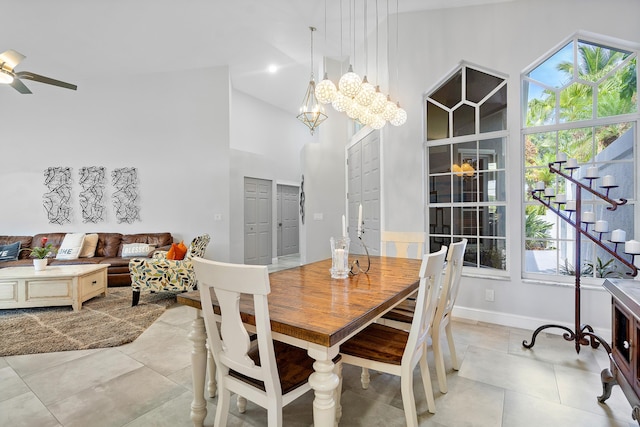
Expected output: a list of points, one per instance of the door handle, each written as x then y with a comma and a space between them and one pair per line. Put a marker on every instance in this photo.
279, 224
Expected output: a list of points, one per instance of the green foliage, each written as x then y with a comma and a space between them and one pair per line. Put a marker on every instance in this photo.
536, 228
602, 269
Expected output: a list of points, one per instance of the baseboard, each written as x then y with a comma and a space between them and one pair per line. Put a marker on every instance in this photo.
516, 321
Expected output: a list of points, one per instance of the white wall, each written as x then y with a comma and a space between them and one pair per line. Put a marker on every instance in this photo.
177, 138
505, 37
265, 143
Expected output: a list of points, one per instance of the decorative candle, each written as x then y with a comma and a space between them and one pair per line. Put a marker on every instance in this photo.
618, 236
602, 226
540, 185
561, 157
549, 192
561, 198
570, 206
608, 181
360, 220
632, 247
588, 217
344, 227
592, 172
571, 164
340, 259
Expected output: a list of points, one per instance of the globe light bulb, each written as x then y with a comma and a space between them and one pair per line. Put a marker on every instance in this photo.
379, 102
350, 83
366, 94
378, 122
326, 90
390, 110
354, 110
341, 102
400, 117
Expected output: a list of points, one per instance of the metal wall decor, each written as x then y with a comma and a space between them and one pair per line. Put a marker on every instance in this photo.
125, 196
92, 203
302, 199
57, 200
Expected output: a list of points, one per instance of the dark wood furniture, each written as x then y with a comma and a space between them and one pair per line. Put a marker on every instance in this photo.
311, 310
625, 346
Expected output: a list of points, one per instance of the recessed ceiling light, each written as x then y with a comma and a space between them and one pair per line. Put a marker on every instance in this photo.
272, 68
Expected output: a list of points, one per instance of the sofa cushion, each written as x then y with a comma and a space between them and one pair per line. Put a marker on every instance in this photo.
136, 249
158, 240
89, 246
25, 242
9, 252
108, 245
177, 251
71, 246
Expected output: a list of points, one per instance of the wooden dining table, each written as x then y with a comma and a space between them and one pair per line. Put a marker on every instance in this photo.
311, 310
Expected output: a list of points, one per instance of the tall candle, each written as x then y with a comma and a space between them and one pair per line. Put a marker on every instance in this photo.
632, 247
344, 226
561, 198
602, 226
571, 164
540, 185
608, 181
618, 236
561, 157
340, 264
570, 206
589, 217
549, 192
360, 220
592, 172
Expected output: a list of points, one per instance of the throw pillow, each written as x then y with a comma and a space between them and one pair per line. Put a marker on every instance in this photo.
71, 246
9, 252
89, 246
136, 249
177, 251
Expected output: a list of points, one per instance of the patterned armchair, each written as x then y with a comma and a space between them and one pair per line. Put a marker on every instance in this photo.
161, 274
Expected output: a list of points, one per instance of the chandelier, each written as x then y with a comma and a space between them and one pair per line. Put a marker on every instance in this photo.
311, 112
359, 99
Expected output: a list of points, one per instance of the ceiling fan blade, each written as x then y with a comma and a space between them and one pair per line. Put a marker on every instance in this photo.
19, 86
11, 58
42, 79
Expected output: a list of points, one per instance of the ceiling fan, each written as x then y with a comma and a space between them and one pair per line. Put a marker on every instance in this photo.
9, 60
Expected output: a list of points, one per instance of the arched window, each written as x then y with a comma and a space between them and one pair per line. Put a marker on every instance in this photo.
580, 100
466, 134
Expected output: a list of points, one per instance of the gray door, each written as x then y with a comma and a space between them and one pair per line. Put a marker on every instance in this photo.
288, 233
257, 221
364, 187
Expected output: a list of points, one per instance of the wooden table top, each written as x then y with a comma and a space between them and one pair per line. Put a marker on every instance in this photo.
306, 303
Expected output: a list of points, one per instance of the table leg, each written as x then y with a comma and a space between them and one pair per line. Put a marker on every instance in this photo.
198, 369
324, 382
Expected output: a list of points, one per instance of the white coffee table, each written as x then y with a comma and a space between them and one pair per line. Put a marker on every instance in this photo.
22, 287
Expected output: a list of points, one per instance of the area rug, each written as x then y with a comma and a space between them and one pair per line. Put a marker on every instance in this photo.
103, 322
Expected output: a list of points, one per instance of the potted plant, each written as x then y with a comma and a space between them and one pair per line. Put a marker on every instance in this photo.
41, 253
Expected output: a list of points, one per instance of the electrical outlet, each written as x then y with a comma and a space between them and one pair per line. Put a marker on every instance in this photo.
489, 295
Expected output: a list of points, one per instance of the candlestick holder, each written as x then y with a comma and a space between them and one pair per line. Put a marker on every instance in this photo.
355, 265
583, 334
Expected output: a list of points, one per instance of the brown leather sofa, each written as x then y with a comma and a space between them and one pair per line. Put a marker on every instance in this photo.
108, 251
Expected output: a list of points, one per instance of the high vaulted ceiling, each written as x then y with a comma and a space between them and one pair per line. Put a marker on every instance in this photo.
78, 40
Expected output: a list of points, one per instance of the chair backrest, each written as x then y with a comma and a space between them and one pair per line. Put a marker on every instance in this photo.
452, 276
426, 301
230, 344
198, 246
402, 241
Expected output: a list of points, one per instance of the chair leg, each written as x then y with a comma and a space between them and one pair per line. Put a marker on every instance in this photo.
426, 382
135, 298
365, 379
439, 359
222, 407
408, 400
242, 404
452, 347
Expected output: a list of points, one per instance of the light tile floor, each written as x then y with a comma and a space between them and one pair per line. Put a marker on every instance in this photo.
148, 383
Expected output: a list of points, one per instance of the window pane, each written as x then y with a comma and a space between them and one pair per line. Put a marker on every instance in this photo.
547, 72
493, 253
493, 112
576, 103
437, 122
440, 189
541, 105
615, 95
471, 253
594, 60
465, 221
450, 93
464, 120
436, 243
480, 84
577, 143
440, 221
439, 159
492, 153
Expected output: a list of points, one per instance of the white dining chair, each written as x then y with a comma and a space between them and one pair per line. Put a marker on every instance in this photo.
396, 352
402, 315
402, 243
271, 374
442, 319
